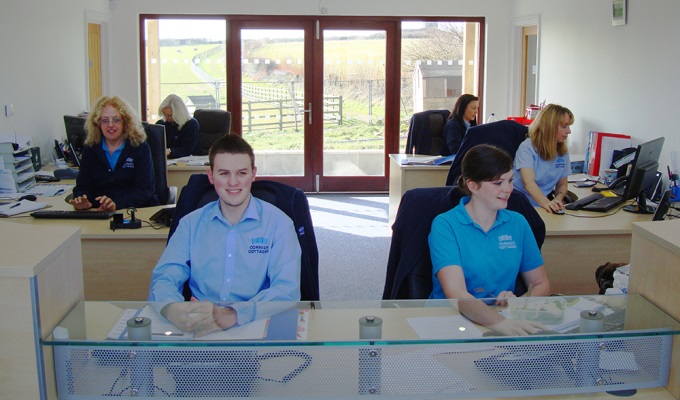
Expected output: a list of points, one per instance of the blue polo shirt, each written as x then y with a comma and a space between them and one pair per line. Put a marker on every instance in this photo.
257, 259
112, 158
547, 172
490, 260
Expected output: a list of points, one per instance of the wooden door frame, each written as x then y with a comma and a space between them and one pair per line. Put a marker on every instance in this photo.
312, 144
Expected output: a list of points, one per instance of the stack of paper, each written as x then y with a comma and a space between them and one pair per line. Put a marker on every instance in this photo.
433, 160
23, 206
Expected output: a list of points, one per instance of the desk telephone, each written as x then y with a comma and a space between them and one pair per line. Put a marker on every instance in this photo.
164, 216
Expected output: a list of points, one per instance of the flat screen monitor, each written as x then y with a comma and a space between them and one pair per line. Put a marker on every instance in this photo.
75, 134
155, 137
642, 174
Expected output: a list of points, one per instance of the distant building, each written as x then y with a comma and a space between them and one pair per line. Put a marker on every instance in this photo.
206, 101
436, 87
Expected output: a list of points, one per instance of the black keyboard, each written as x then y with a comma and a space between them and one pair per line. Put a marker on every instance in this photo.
583, 201
72, 214
604, 204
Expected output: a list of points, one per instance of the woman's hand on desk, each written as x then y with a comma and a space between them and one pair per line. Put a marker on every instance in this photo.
81, 202
199, 317
106, 204
512, 327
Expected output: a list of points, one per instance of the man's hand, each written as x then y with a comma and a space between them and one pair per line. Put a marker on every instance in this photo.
511, 327
199, 317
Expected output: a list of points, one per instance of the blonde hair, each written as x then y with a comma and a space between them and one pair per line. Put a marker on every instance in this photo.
180, 113
132, 125
543, 131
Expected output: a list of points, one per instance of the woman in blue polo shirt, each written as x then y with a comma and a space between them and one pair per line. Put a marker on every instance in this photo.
478, 248
542, 163
116, 170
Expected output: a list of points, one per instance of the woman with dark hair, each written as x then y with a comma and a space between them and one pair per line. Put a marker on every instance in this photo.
116, 170
463, 116
478, 247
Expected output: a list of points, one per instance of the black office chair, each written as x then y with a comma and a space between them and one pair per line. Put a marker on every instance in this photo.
155, 137
409, 266
506, 134
425, 132
214, 123
292, 201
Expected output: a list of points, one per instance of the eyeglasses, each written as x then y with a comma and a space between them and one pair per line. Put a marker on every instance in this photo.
115, 120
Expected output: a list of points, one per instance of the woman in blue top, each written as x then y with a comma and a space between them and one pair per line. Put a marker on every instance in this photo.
478, 248
542, 161
116, 170
463, 116
181, 130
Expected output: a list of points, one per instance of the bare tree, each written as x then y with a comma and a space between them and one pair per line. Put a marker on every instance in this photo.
441, 42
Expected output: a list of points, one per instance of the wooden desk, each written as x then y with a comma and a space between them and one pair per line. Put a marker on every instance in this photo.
39, 285
405, 177
655, 274
579, 241
117, 264
178, 175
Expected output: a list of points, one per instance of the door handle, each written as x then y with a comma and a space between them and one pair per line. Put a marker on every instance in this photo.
309, 113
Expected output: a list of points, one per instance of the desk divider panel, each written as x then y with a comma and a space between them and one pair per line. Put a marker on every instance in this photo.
510, 368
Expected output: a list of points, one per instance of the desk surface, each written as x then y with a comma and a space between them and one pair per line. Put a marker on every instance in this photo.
615, 221
92, 228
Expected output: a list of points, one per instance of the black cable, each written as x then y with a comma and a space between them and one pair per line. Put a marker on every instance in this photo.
156, 227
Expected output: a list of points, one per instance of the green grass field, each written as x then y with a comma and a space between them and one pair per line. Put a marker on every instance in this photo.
354, 133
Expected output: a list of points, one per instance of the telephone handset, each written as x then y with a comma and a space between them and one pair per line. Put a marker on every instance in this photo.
620, 181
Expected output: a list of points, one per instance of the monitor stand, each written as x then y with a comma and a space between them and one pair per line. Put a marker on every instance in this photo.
641, 207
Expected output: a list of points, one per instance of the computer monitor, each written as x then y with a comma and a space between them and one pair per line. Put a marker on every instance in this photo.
155, 137
75, 134
642, 174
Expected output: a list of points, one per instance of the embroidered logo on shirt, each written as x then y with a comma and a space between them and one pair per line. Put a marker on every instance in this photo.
129, 163
560, 163
506, 242
259, 245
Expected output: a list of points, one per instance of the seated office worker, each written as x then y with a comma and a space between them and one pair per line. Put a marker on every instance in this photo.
235, 249
478, 248
542, 163
181, 130
463, 116
116, 170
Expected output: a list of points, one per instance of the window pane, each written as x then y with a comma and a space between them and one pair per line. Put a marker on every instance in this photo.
440, 61
188, 58
272, 90
354, 102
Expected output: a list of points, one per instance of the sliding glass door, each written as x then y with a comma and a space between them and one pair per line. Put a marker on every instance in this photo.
322, 100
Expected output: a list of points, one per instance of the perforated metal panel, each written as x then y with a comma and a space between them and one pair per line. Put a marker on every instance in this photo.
391, 371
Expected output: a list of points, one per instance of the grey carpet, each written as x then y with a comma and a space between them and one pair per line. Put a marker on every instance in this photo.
353, 238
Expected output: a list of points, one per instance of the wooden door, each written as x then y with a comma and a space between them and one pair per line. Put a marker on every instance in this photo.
94, 64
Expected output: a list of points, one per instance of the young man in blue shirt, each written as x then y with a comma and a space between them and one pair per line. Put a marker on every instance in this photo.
234, 252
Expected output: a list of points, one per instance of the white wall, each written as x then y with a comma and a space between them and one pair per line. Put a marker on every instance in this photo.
125, 18
620, 79
615, 79
42, 68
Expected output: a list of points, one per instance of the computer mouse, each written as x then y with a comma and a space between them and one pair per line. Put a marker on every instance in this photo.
559, 212
29, 197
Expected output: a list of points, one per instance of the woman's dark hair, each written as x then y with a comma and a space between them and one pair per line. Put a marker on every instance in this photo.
483, 163
460, 107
